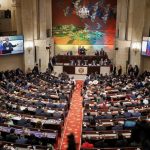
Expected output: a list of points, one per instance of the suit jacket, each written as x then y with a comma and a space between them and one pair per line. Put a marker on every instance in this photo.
11, 137
21, 140
127, 114
39, 111
8, 46
117, 127
22, 122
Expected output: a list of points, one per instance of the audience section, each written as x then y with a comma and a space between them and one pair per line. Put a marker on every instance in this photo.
116, 108
33, 108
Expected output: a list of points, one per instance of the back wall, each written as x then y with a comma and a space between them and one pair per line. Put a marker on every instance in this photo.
98, 28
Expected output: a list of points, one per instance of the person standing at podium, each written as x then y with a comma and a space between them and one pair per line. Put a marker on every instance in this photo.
81, 50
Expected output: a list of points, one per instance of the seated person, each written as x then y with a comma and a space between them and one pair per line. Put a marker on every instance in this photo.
39, 111
28, 124
38, 125
136, 113
21, 140
93, 63
100, 127
87, 145
1, 119
69, 53
12, 137
117, 126
121, 142
22, 122
127, 114
97, 53
33, 140
56, 114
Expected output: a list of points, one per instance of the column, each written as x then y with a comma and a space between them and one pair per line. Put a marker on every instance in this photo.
130, 19
27, 24
36, 19
18, 17
122, 18
49, 16
137, 31
146, 31
42, 18
13, 15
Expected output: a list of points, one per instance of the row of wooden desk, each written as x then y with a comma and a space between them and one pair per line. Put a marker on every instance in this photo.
66, 58
82, 70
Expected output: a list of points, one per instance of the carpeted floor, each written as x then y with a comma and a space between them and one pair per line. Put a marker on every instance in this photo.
73, 122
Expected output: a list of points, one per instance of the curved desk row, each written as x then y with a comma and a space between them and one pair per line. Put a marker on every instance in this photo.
82, 70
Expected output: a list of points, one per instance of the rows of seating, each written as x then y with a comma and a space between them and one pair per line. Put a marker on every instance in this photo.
33, 108
113, 105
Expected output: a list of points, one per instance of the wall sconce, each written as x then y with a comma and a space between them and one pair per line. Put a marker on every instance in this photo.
135, 51
29, 46
136, 46
29, 50
48, 47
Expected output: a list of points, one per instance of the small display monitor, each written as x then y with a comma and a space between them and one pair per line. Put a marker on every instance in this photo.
11, 45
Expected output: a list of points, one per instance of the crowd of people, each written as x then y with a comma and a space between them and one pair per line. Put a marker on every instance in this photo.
33, 107
115, 107
99, 59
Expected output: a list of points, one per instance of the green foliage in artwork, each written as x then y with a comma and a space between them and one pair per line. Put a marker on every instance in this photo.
76, 33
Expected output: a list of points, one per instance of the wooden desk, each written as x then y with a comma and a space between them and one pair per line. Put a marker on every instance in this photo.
67, 59
87, 69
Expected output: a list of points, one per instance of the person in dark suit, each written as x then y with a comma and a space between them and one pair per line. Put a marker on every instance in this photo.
100, 127
71, 142
32, 140
35, 69
21, 140
39, 111
39, 103
127, 114
1, 119
22, 122
114, 70
81, 51
120, 71
8, 46
117, 126
12, 137
28, 124
97, 53
121, 142
136, 113
53, 60
136, 70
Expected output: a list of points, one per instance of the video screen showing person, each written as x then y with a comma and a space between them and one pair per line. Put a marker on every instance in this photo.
11, 45
145, 46
148, 48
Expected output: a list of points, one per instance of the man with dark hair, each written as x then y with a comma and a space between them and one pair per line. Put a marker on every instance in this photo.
140, 134
35, 69
71, 142
12, 137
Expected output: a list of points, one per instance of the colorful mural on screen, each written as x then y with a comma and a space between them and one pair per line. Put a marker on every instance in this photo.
97, 27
